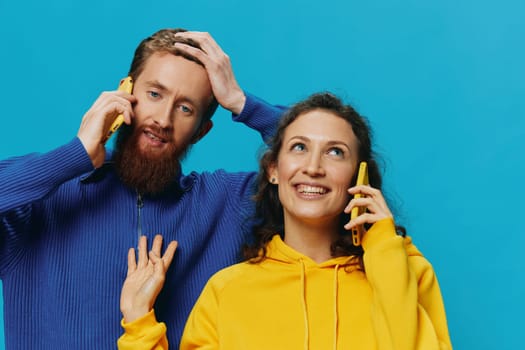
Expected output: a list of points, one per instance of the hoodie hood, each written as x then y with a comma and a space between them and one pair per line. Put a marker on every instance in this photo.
279, 251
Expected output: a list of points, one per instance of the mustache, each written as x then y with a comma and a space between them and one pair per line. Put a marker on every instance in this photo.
163, 133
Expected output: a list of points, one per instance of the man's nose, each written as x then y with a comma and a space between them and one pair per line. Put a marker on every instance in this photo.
164, 117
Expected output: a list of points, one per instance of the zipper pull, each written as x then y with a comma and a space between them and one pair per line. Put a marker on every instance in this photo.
140, 204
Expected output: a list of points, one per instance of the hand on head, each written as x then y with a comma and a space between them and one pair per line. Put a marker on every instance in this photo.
217, 63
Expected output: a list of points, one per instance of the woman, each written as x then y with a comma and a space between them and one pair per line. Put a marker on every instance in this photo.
304, 284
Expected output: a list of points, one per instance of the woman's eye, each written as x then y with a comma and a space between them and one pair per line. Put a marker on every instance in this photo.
298, 147
336, 152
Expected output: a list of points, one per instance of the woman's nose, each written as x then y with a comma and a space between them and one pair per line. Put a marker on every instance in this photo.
314, 166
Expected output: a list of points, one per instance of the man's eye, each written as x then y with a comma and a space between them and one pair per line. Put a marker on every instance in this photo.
185, 109
154, 94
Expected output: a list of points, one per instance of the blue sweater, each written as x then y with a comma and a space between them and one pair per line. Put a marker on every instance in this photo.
65, 231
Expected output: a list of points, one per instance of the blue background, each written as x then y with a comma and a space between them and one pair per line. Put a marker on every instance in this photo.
441, 81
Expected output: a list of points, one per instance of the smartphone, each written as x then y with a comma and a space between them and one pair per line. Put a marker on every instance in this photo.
362, 179
126, 85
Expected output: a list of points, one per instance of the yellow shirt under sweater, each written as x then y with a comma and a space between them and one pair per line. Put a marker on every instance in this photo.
288, 301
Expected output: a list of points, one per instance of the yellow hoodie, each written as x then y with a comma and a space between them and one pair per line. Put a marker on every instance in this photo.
288, 301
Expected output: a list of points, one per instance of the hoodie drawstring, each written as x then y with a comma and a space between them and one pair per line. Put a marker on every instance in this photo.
305, 311
305, 308
336, 314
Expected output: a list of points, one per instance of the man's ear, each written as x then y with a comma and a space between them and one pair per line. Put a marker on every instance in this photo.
202, 131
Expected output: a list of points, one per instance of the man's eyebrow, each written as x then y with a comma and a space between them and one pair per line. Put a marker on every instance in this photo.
156, 84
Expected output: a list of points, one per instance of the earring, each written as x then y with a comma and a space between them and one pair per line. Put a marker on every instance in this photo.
272, 180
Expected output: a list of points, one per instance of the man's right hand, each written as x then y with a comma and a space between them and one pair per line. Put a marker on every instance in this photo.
98, 119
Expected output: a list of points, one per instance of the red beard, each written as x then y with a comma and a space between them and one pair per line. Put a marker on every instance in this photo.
147, 171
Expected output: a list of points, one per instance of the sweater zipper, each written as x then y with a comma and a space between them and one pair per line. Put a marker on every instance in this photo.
140, 204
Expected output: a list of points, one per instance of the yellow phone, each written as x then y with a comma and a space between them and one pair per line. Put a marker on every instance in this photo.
126, 85
362, 179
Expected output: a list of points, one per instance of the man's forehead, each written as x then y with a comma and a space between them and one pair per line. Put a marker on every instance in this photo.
168, 71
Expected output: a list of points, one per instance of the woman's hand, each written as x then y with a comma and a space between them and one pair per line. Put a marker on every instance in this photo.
145, 278
374, 203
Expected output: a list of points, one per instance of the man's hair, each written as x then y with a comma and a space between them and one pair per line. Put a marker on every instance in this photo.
164, 41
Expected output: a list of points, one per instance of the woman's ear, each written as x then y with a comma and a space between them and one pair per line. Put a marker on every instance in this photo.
272, 172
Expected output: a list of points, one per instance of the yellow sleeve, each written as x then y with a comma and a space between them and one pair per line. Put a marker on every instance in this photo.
407, 307
144, 333
201, 327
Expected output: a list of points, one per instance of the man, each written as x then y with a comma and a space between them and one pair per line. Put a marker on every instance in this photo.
68, 217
